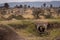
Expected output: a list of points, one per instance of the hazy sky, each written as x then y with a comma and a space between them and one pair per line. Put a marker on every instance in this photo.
4, 1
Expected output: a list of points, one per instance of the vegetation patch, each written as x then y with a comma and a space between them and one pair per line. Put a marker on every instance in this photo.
27, 26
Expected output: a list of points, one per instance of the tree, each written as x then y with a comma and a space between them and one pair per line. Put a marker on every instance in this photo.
16, 6
6, 5
51, 5
44, 5
28, 6
25, 6
36, 13
21, 6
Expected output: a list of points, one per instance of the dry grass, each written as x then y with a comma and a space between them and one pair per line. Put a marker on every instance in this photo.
30, 36
29, 33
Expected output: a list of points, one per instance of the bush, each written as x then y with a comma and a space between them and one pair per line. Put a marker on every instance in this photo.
32, 29
14, 16
27, 26
10, 17
48, 16
18, 26
19, 17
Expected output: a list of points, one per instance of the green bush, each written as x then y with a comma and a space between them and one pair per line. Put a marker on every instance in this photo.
18, 26
27, 26
32, 29
19, 17
48, 16
16, 17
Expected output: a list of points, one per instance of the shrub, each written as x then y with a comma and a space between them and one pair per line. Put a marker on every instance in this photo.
18, 26
16, 17
19, 17
10, 17
48, 16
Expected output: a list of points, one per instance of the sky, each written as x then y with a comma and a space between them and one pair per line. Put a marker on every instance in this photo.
4, 1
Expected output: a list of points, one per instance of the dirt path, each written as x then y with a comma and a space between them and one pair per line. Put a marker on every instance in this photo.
8, 33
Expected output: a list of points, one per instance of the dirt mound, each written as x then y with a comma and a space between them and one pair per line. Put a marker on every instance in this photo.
8, 33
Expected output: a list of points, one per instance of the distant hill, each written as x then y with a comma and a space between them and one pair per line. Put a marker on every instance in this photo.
34, 4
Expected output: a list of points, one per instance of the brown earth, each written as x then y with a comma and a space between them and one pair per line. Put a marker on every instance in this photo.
8, 33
